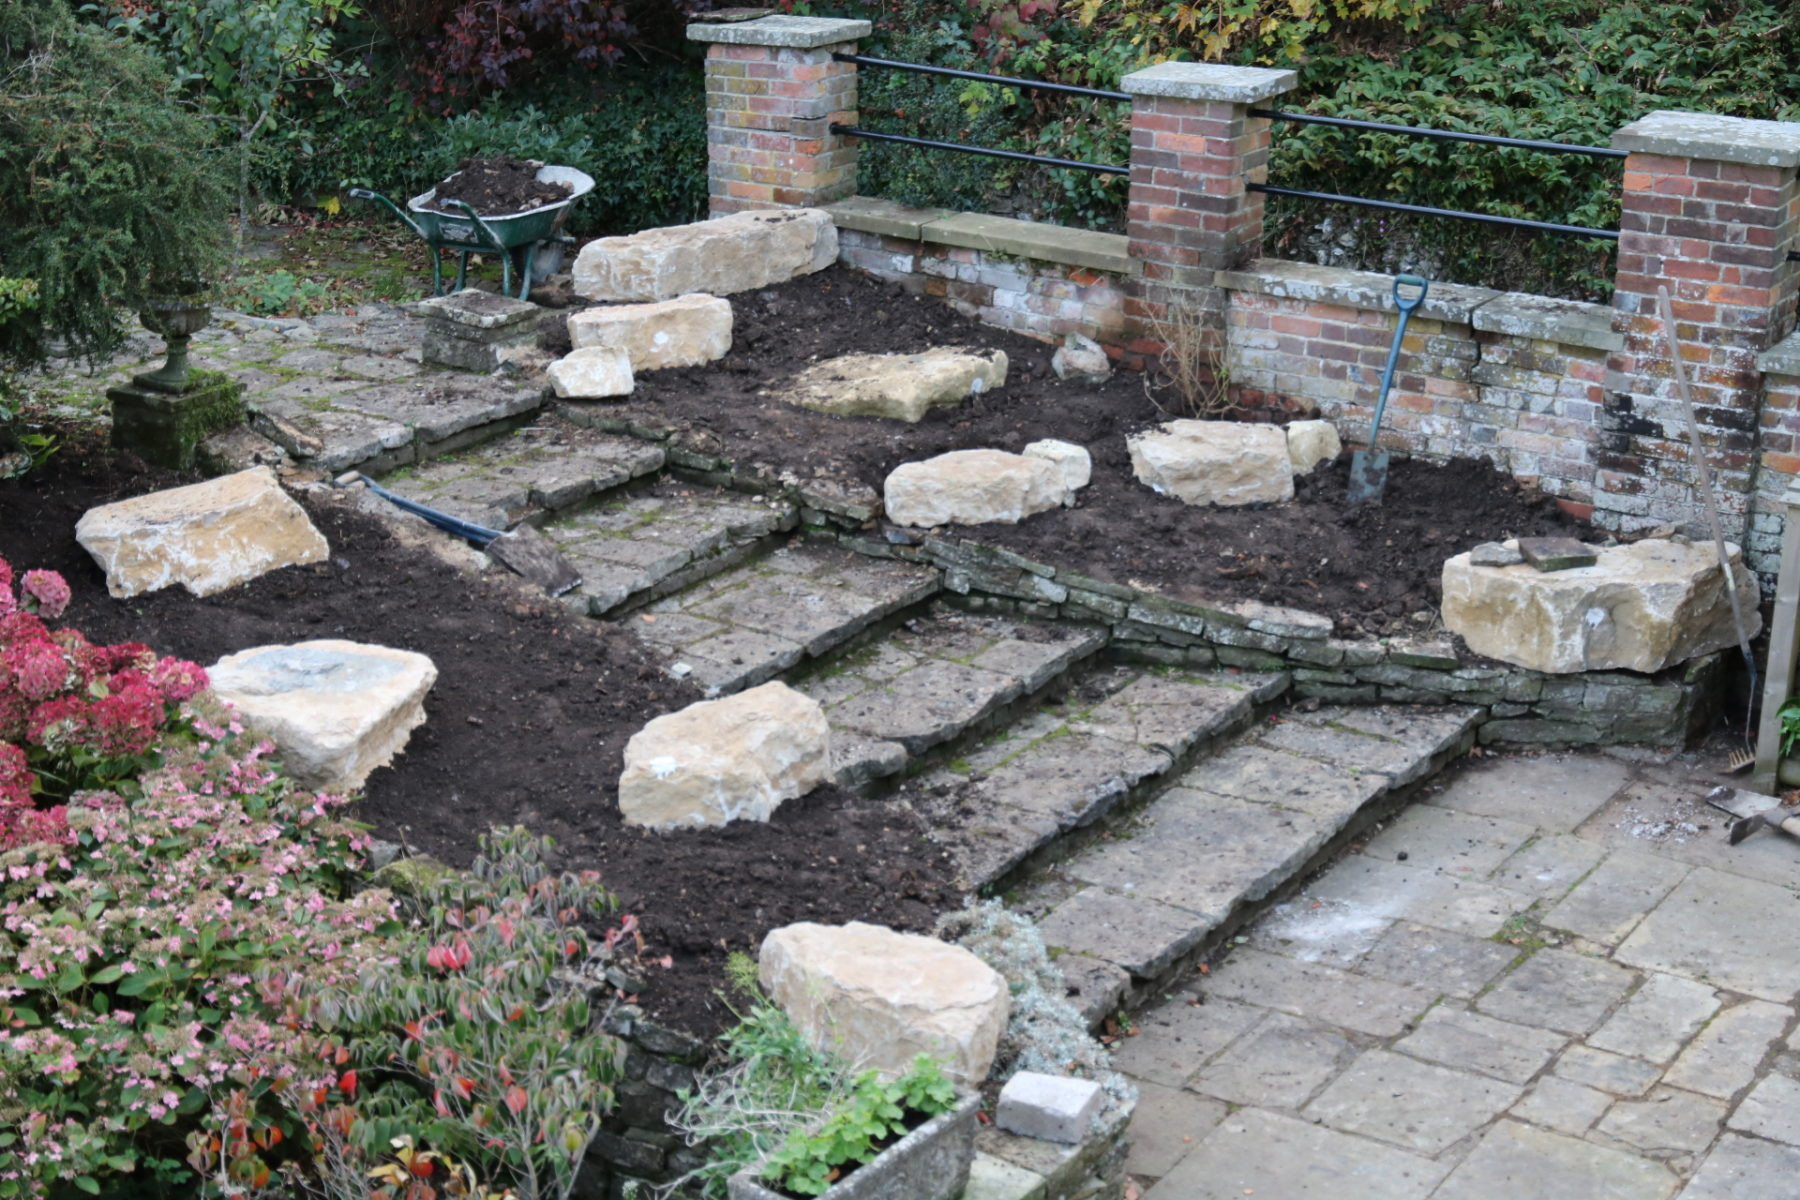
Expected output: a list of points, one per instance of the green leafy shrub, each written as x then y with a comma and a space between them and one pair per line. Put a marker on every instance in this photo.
279, 293
108, 192
863, 1123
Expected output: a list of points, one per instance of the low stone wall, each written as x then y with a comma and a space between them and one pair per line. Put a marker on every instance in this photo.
1043, 281
635, 1141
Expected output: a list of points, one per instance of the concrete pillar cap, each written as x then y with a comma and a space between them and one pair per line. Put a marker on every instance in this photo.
1209, 81
1713, 137
788, 32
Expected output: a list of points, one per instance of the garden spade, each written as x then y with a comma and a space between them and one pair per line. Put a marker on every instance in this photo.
1369, 466
524, 550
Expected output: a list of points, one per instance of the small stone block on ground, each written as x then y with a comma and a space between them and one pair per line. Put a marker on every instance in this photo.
205, 536
1054, 1108
973, 487
593, 373
1311, 443
336, 710
1557, 553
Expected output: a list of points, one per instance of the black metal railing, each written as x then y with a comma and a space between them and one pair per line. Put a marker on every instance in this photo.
1068, 89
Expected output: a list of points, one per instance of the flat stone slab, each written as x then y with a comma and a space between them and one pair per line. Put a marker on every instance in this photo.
205, 536
1741, 1167
1726, 1055
764, 616
1717, 929
1417, 1106
938, 675
336, 710
1665, 1122
1455, 1038
1282, 1063
1518, 1160
901, 387
1321, 993
638, 546
1454, 963
1258, 1153
1658, 1019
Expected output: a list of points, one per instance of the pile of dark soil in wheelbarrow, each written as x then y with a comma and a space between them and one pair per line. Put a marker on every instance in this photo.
1372, 567
526, 724
497, 187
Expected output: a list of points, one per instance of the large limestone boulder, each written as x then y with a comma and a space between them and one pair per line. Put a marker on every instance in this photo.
336, 710
1311, 443
205, 536
903, 387
726, 760
974, 487
687, 331
725, 255
592, 373
1215, 462
882, 998
1641, 607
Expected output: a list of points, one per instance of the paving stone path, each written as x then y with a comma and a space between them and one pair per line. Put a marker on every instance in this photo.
1552, 978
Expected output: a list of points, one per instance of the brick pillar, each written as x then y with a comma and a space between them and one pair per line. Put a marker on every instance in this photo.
1710, 210
1194, 145
772, 91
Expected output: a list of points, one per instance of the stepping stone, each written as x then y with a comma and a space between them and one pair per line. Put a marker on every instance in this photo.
758, 619
1060, 771
336, 710
933, 679
338, 431
637, 548
511, 479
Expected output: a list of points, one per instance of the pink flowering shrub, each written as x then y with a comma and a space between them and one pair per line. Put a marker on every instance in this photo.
74, 716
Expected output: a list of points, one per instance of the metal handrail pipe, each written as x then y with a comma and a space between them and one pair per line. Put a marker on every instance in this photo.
1036, 85
1014, 155
1450, 135
1455, 213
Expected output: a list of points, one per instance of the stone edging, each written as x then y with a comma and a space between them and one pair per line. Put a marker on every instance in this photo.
1519, 314
978, 231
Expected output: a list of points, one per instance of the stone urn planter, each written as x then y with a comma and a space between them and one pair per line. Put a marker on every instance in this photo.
175, 317
930, 1163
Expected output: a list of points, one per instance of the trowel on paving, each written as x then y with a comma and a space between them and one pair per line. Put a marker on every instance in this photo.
524, 550
1369, 466
1766, 814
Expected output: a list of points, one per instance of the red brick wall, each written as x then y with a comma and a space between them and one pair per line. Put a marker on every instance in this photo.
1716, 235
768, 113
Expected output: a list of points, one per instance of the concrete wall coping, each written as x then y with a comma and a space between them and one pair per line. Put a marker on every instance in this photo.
1209, 81
1713, 137
1352, 289
1783, 358
979, 231
794, 33
1547, 319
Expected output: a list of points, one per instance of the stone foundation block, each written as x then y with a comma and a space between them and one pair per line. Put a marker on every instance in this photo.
166, 429
593, 373
1051, 1107
1215, 462
973, 487
720, 257
473, 330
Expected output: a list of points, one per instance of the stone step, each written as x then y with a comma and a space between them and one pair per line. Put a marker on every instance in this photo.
759, 619
527, 475
931, 680
1192, 864
635, 548
1075, 759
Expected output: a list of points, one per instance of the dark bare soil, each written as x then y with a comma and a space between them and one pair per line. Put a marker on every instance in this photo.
527, 725
1368, 566
498, 187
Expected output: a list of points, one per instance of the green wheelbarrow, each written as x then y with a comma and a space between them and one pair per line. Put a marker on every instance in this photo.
529, 244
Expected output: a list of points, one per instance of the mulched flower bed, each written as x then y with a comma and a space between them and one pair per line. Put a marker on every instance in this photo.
1370, 567
527, 724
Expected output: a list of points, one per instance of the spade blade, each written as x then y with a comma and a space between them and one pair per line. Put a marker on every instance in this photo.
529, 553
1368, 474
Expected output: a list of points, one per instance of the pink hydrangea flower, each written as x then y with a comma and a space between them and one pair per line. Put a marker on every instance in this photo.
49, 590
